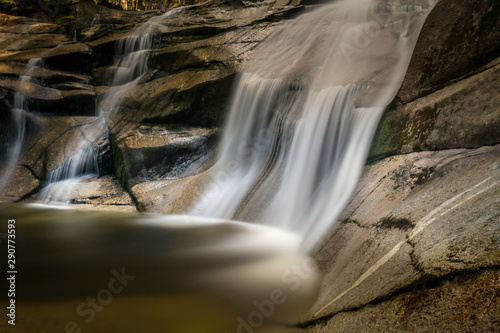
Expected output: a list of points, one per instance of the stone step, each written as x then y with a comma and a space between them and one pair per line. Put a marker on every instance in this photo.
48, 76
152, 152
72, 57
49, 101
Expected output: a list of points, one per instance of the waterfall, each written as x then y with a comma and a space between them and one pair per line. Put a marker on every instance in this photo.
130, 64
19, 110
305, 110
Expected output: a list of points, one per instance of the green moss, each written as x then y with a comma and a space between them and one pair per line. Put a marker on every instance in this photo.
388, 140
65, 19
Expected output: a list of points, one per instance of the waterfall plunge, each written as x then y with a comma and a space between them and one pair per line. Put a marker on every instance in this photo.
305, 110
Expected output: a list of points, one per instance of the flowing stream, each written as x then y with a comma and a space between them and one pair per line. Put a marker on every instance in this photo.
304, 113
19, 110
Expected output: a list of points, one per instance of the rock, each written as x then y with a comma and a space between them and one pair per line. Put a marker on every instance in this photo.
72, 57
159, 152
463, 115
174, 196
50, 142
457, 39
467, 303
31, 28
195, 98
75, 57
19, 42
51, 101
22, 184
48, 76
92, 192
414, 219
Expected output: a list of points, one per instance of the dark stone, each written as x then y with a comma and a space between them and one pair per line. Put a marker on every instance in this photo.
458, 38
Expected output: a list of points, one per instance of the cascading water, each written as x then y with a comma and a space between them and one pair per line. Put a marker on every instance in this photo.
130, 64
305, 111
297, 136
19, 110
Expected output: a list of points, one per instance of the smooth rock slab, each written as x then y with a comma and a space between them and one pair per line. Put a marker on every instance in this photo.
414, 218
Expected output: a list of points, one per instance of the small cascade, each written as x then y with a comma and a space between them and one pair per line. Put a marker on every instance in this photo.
81, 163
19, 110
130, 64
305, 111
60, 182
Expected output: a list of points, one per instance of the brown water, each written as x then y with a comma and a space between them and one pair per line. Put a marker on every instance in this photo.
115, 272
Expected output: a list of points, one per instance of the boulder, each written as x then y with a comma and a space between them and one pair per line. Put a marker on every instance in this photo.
50, 142
169, 196
457, 39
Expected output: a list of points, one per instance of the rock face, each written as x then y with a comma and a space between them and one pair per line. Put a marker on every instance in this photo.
466, 303
195, 57
416, 221
416, 249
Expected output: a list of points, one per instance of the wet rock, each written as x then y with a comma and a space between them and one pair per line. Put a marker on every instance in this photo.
195, 98
92, 193
51, 101
50, 142
72, 57
75, 57
47, 76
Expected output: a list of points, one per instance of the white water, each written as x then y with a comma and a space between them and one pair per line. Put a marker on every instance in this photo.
130, 64
305, 111
19, 110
